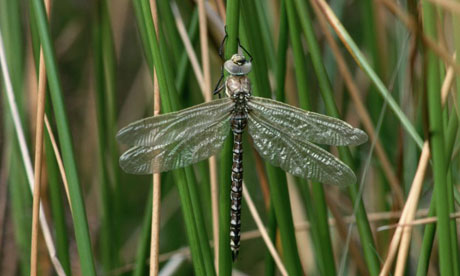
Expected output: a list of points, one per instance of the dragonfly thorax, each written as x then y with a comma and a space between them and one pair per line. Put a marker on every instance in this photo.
238, 88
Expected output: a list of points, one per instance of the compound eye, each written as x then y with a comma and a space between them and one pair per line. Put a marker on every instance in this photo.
238, 59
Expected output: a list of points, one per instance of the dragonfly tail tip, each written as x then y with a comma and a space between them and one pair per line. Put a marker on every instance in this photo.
234, 255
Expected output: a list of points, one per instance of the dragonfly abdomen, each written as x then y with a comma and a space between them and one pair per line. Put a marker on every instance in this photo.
238, 123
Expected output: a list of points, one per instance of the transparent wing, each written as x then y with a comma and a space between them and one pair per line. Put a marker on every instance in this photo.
177, 153
176, 126
297, 156
306, 125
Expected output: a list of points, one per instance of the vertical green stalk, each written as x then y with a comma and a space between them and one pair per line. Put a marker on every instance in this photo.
369, 17
318, 201
232, 25
21, 203
280, 80
317, 216
57, 203
196, 232
436, 131
143, 249
313, 219
54, 178
452, 223
430, 229
345, 154
76, 198
104, 69
10, 24
225, 258
364, 65
276, 177
451, 134
266, 33
271, 229
371, 42
231, 47
203, 241
282, 53
20, 200
142, 28
299, 57
427, 242
184, 63
173, 37
279, 197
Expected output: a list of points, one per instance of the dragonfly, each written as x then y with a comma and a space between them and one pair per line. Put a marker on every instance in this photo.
283, 135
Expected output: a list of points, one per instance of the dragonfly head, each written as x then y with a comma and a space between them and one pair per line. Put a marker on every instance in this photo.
238, 65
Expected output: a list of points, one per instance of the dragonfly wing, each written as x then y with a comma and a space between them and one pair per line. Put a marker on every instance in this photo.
179, 152
175, 126
297, 156
307, 125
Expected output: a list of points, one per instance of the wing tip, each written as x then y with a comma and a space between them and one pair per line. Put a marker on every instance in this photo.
342, 183
344, 178
358, 137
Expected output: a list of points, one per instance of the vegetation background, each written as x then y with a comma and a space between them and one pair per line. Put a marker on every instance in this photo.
388, 67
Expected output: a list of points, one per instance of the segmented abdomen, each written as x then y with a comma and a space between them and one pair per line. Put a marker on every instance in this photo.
238, 122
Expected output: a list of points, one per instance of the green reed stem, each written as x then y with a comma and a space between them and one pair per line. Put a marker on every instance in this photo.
104, 68
279, 93
299, 57
20, 200
276, 177
427, 242
196, 232
57, 203
364, 229
184, 63
231, 47
79, 214
271, 229
282, 53
317, 216
143, 248
430, 229
370, 72
437, 144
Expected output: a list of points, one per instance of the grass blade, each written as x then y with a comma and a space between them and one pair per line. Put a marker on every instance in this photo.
103, 53
79, 213
317, 216
331, 108
185, 180
231, 47
142, 252
276, 177
56, 202
365, 66
437, 144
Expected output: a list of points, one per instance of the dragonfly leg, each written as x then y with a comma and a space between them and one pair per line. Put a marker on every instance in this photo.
219, 86
221, 48
244, 49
